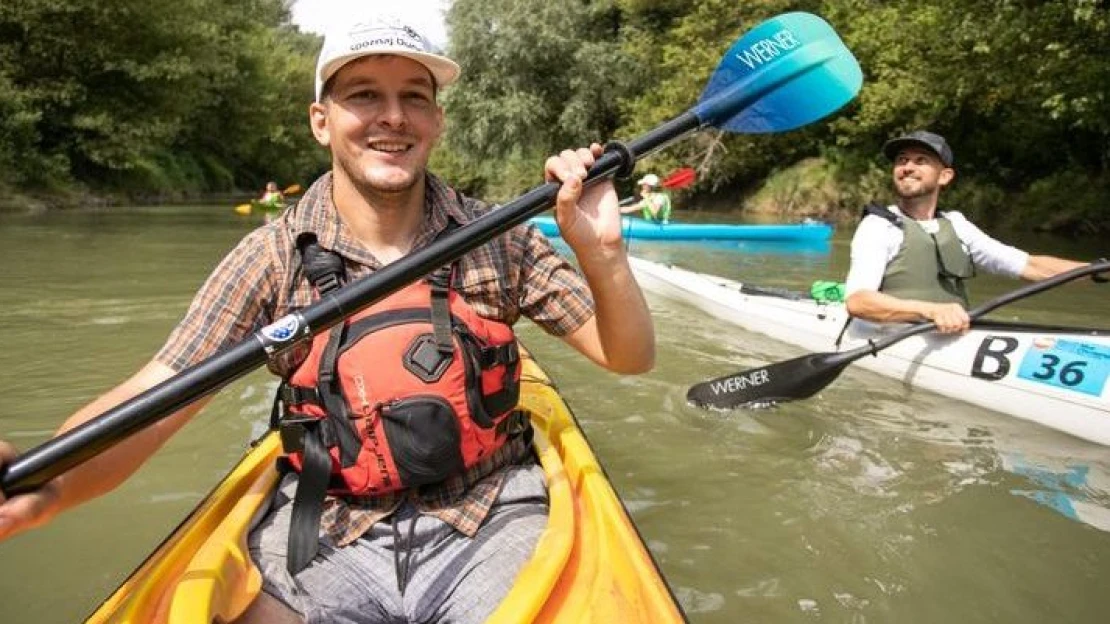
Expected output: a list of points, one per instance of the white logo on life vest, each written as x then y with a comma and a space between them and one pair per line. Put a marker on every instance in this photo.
283, 329
360, 388
741, 382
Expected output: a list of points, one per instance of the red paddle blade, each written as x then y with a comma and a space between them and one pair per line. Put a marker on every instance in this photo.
680, 179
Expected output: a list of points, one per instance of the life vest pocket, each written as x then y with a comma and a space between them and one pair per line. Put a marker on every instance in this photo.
424, 438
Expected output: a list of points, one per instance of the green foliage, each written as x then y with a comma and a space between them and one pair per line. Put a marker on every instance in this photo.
807, 188
1067, 202
153, 95
532, 73
192, 95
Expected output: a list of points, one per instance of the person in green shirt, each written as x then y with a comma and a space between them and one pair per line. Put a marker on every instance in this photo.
272, 197
654, 205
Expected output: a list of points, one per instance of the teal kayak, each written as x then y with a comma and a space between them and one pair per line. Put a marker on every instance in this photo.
648, 230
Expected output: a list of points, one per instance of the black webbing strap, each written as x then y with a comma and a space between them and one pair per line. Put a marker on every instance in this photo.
516, 423
334, 405
882, 212
843, 329
440, 283
308, 503
322, 267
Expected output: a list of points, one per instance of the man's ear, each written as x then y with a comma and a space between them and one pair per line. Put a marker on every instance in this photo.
946, 176
318, 119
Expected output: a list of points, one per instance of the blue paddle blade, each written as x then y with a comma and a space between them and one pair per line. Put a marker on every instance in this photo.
787, 72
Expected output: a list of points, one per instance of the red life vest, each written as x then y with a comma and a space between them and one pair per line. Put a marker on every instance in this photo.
410, 391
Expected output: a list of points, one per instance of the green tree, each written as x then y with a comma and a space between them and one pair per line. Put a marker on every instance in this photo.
151, 95
538, 76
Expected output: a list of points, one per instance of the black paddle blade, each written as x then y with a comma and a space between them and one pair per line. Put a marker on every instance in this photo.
799, 378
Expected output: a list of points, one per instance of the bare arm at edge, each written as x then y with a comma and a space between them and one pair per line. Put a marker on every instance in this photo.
104, 472
1044, 267
878, 307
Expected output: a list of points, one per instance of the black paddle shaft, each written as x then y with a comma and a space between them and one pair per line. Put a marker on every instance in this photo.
50, 459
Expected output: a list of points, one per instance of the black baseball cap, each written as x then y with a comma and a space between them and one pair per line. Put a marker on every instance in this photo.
922, 138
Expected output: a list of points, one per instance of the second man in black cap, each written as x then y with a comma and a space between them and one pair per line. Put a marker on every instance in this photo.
910, 261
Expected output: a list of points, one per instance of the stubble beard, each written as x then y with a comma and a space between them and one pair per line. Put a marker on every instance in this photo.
918, 191
373, 184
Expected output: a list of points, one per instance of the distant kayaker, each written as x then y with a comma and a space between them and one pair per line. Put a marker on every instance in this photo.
654, 205
910, 262
272, 195
441, 501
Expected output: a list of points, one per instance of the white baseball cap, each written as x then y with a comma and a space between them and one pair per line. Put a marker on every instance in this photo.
650, 179
380, 34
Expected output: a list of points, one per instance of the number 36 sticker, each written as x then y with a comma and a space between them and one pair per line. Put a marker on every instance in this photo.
1079, 366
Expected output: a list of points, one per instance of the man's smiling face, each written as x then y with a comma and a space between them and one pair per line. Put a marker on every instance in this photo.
918, 172
381, 120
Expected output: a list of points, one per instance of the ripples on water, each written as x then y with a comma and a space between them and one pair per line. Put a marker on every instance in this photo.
868, 503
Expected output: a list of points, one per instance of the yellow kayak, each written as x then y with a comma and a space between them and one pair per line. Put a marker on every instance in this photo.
590, 564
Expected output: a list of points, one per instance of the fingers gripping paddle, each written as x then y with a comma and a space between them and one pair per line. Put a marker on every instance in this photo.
796, 54
805, 376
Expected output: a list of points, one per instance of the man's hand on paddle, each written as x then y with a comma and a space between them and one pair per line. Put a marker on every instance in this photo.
588, 220
25, 511
950, 318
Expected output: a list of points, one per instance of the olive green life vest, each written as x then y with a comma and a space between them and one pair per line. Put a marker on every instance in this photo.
656, 199
929, 267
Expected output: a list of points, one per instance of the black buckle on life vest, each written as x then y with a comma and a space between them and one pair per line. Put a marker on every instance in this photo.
298, 395
507, 354
293, 428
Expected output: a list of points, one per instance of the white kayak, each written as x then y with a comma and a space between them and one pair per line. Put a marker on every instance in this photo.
1053, 376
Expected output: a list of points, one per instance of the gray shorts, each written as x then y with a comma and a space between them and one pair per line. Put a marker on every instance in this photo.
450, 578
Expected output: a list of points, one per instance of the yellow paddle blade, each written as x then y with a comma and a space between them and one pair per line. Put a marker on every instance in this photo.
243, 209
292, 189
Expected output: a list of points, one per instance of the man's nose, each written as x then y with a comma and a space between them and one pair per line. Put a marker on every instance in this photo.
393, 114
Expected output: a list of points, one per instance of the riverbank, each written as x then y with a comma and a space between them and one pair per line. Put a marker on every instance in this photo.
14, 201
1067, 203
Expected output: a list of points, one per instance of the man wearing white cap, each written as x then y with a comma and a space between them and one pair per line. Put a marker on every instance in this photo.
654, 205
406, 547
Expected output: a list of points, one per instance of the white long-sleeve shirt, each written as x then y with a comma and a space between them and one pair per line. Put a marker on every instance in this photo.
877, 241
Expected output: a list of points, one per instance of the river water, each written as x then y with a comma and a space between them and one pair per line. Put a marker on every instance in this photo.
870, 503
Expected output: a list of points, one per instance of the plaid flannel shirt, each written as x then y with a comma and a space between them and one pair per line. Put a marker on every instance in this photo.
517, 273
